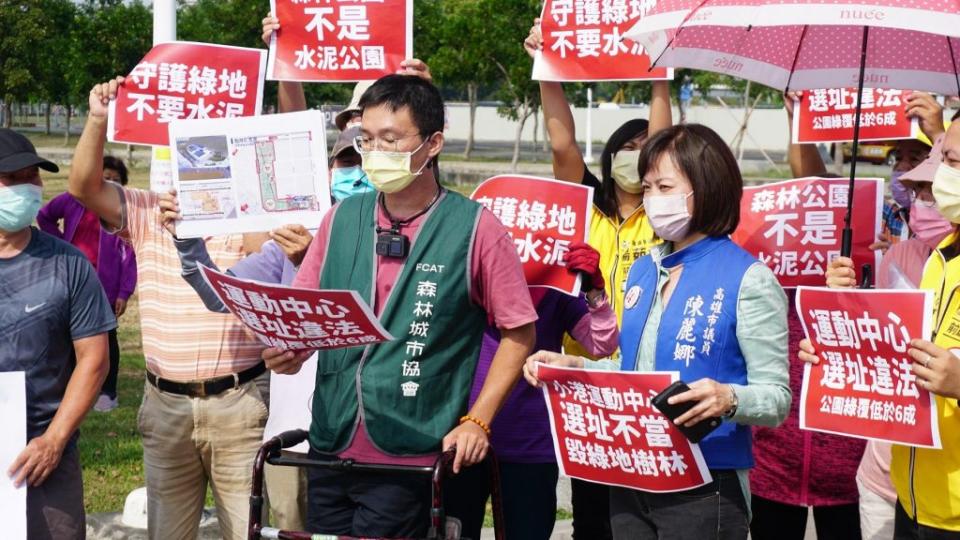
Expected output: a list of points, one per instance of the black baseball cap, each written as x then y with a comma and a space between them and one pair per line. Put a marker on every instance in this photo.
17, 152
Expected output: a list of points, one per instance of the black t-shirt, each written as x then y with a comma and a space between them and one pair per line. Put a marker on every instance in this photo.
589, 179
51, 297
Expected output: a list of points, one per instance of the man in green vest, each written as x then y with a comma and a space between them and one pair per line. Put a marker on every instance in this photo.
436, 268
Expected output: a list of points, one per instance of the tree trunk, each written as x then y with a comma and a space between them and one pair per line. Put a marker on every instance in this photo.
545, 136
46, 119
536, 127
130, 155
472, 100
66, 130
743, 126
7, 115
522, 120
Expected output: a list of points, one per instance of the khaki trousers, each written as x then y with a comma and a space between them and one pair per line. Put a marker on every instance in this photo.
287, 495
190, 442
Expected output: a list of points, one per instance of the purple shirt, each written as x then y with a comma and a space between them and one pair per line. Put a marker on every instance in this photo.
116, 264
270, 265
521, 430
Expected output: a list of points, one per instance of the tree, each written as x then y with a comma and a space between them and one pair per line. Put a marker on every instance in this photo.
22, 26
109, 38
454, 34
55, 56
506, 23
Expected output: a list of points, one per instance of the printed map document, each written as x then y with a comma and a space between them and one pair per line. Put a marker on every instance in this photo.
252, 174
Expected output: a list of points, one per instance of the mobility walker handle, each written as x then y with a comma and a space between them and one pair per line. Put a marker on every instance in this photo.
270, 452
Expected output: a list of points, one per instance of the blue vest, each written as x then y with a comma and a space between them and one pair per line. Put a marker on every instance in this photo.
698, 330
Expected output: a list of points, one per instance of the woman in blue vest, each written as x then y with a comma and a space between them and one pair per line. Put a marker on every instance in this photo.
702, 306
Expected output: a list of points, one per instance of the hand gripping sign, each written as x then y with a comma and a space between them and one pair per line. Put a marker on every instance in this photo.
583, 41
605, 430
864, 385
185, 80
827, 115
544, 217
794, 226
340, 40
298, 319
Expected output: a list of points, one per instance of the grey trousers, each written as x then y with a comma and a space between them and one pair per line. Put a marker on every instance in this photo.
714, 511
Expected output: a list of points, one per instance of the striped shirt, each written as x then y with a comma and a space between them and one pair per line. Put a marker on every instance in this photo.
182, 340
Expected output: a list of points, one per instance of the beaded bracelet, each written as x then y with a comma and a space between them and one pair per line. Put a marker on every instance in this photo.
476, 421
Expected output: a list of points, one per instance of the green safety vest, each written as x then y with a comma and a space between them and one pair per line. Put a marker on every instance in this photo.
411, 391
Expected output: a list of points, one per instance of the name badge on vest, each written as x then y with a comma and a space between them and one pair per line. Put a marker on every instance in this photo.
630, 299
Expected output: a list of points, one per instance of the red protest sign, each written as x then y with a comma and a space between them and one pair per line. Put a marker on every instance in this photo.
864, 385
827, 115
795, 227
606, 431
298, 319
340, 40
583, 41
185, 80
544, 217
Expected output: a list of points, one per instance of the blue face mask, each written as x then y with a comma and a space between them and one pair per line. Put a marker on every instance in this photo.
19, 205
349, 181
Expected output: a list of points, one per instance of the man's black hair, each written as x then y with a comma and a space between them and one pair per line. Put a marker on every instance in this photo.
419, 96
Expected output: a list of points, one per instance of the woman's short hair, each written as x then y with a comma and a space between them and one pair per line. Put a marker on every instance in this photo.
116, 164
706, 160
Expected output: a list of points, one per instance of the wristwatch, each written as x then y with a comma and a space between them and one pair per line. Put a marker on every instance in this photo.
734, 402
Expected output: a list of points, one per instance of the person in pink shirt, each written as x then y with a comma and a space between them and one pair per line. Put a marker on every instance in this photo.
436, 268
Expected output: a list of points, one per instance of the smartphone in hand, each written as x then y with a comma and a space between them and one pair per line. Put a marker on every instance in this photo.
696, 433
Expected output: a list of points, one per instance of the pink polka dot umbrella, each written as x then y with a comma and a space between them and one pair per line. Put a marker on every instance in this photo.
811, 44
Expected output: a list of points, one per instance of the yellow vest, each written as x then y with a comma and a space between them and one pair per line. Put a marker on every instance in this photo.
928, 481
619, 244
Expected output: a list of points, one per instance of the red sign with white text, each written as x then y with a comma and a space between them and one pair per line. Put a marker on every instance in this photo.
864, 385
605, 430
583, 41
185, 80
795, 227
340, 40
544, 217
298, 319
827, 115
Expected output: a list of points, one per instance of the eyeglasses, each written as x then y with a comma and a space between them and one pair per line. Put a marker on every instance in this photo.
363, 144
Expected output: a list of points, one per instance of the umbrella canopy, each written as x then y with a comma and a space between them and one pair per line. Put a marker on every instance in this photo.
797, 57
806, 44
931, 16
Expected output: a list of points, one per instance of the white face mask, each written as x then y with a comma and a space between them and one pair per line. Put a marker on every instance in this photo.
389, 172
625, 171
946, 191
668, 215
